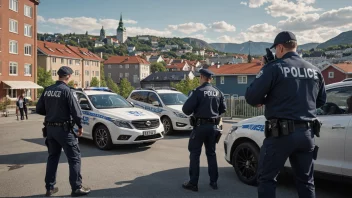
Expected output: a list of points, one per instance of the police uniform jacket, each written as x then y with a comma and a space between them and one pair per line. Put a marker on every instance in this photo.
290, 88
205, 101
58, 104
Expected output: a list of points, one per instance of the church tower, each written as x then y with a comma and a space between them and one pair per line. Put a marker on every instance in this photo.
102, 33
121, 35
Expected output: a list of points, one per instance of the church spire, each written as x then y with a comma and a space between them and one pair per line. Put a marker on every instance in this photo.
121, 17
121, 28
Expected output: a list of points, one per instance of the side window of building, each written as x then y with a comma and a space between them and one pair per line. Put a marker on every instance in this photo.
339, 101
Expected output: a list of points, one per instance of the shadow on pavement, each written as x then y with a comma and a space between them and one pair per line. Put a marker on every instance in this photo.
168, 184
178, 135
87, 147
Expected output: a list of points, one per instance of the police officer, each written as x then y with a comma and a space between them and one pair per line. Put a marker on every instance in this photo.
291, 90
206, 103
58, 105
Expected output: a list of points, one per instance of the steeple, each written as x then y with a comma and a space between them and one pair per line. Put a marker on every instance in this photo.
102, 33
121, 28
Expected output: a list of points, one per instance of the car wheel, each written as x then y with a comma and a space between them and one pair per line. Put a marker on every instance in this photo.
245, 161
168, 129
102, 138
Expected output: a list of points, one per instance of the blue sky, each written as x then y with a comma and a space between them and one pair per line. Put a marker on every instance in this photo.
233, 21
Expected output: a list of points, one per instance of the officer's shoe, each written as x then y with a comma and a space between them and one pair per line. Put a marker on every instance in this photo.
80, 192
51, 191
214, 185
190, 186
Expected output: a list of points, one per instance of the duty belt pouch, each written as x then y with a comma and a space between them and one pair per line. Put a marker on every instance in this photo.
66, 126
275, 128
283, 127
267, 129
316, 127
218, 136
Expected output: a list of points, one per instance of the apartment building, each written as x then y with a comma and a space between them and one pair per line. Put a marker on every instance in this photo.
84, 63
18, 43
134, 68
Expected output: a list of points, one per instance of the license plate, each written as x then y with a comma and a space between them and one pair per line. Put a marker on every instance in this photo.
146, 133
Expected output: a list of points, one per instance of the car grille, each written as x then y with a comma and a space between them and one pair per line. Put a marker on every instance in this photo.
141, 124
149, 137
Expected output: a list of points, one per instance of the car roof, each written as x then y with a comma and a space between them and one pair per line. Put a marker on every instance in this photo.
158, 91
89, 92
167, 91
339, 84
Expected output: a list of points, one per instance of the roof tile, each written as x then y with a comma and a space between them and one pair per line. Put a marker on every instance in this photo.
241, 68
126, 60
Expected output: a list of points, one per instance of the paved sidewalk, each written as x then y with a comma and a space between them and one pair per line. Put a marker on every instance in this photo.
13, 119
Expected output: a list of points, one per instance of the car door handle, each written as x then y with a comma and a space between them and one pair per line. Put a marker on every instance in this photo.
337, 126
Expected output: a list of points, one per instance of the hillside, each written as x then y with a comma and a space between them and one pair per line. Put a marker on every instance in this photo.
308, 46
198, 43
341, 39
257, 48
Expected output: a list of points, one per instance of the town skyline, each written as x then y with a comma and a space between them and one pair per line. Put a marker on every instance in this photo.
310, 20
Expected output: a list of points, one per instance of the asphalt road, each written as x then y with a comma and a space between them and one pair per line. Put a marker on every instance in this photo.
126, 171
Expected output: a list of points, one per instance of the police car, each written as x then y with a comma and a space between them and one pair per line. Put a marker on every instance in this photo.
245, 138
167, 103
109, 119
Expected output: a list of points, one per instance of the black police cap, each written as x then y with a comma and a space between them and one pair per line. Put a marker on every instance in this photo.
206, 72
284, 37
64, 71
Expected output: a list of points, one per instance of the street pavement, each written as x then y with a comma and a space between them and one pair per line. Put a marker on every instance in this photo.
125, 171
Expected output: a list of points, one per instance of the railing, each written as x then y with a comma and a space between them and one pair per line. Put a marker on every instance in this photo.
238, 107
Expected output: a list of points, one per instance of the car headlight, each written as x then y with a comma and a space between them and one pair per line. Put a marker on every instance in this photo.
122, 124
180, 115
233, 128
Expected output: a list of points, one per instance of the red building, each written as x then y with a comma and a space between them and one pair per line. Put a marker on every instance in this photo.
337, 72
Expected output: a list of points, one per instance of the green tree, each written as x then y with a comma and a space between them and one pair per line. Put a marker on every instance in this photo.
185, 86
44, 79
112, 85
94, 82
102, 76
125, 88
157, 67
163, 62
71, 83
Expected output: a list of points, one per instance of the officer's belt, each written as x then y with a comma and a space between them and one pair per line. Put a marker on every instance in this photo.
58, 124
207, 120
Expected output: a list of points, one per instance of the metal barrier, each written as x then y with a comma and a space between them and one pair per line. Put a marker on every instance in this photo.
238, 107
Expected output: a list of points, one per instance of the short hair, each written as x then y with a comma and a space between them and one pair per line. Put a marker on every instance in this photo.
290, 45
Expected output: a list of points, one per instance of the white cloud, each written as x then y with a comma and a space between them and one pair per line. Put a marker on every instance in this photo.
243, 3
227, 39
317, 35
260, 28
202, 37
40, 19
257, 3
188, 28
222, 26
306, 1
279, 8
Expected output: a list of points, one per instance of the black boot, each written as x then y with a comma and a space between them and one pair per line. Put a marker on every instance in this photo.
80, 192
51, 192
214, 185
190, 186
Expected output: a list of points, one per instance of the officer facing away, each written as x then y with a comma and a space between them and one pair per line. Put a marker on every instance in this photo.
291, 90
207, 104
57, 104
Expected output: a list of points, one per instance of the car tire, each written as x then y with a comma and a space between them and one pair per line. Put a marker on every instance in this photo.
102, 138
245, 160
168, 129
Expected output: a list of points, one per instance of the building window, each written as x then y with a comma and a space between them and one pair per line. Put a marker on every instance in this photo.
28, 94
222, 80
13, 47
28, 11
13, 26
127, 75
14, 5
121, 66
127, 66
53, 73
62, 61
97, 73
27, 49
27, 30
136, 66
331, 74
70, 61
135, 78
54, 60
109, 75
242, 79
76, 72
27, 69
121, 75
12, 93
109, 66
87, 73
78, 62
13, 69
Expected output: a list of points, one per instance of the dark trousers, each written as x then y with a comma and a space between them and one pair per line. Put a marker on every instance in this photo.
298, 147
22, 112
57, 139
203, 134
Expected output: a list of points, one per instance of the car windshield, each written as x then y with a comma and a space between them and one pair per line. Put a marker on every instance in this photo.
109, 101
173, 98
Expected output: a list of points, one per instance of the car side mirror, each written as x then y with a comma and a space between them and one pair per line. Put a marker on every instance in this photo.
156, 103
85, 107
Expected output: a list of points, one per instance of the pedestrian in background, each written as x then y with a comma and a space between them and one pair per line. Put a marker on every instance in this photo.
206, 103
291, 89
22, 106
58, 105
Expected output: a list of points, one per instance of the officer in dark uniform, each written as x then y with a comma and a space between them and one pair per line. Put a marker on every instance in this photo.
206, 103
291, 90
58, 105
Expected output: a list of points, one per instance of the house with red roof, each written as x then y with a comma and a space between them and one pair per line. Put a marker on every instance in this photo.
233, 79
134, 68
183, 66
333, 73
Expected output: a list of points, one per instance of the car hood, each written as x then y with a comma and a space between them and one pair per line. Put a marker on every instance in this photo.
129, 113
176, 107
256, 120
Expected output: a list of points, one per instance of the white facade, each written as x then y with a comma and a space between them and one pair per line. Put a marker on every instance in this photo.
144, 38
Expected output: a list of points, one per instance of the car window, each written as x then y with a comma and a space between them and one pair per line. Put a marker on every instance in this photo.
152, 97
339, 101
82, 99
140, 96
109, 101
173, 98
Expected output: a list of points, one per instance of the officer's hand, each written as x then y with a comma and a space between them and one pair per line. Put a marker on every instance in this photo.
80, 132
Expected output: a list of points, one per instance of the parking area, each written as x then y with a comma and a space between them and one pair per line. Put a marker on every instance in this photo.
125, 171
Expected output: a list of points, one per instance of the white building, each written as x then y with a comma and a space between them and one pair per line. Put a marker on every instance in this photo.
121, 34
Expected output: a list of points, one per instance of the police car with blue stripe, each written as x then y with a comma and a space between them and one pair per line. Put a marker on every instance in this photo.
243, 142
109, 119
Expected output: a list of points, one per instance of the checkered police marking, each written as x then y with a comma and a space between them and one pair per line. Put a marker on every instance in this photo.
136, 113
97, 115
155, 110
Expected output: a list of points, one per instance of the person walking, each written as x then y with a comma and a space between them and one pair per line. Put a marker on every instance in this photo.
22, 106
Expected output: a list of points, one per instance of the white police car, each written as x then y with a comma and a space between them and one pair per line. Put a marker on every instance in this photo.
245, 138
167, 103
109, 119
